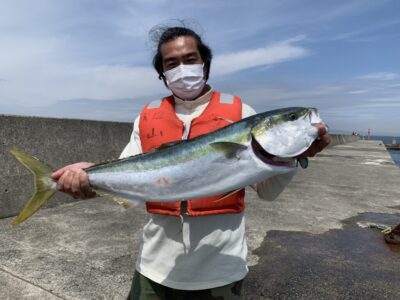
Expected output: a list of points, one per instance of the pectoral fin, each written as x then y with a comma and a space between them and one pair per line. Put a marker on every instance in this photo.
229, 149
303, 162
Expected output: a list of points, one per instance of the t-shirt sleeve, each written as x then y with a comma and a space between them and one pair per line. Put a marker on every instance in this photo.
134, 146
272, 187
247, 111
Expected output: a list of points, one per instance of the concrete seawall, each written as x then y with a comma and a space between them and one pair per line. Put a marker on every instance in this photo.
59, 142
339, 139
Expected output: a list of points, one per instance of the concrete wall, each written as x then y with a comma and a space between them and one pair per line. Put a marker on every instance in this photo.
338, 139
59, 142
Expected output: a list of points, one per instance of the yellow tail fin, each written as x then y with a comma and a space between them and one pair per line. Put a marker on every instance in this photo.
44, 189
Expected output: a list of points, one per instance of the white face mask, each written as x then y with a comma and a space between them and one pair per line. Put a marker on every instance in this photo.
186, 81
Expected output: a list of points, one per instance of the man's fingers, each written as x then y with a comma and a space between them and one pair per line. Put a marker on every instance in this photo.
57, 174
311, 151
327, 139
84, 181
323, 141
85, 186
317, 146
69, 183
77, 166
68, 176
322, 129
60, 185
73, 180
76, 185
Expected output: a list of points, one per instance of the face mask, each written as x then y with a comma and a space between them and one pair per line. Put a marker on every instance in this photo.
186, 81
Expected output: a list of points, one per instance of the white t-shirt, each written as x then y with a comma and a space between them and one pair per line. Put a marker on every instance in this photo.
195, 253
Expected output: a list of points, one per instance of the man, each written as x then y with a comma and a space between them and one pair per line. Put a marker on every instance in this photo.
189, 250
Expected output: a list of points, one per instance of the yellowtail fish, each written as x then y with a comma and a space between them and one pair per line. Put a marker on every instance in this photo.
228, 159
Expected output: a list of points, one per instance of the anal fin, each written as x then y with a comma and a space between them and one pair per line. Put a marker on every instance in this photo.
120, 200
226, 195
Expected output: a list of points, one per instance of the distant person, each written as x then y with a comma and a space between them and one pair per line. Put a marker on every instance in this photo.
187, 251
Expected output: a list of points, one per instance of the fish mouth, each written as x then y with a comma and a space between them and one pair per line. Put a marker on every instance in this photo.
269, 158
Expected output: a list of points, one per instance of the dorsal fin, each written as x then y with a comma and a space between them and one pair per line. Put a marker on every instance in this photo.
169, 144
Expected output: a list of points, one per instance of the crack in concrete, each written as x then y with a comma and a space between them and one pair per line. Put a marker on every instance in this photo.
30, 283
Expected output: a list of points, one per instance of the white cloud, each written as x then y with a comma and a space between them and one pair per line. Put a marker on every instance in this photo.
275, 53
352, 104
364, 33
57, 82
356, 92
381, 76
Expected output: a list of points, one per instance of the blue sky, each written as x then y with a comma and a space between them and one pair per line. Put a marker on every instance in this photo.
92, 59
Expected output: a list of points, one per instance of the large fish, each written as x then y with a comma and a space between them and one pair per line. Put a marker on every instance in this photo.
238, 155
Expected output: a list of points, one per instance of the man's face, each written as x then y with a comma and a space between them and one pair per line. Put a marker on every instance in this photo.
182, 50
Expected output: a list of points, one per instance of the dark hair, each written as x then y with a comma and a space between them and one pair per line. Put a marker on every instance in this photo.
166, 34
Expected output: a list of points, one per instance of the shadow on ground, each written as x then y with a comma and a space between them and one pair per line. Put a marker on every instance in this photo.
349, 263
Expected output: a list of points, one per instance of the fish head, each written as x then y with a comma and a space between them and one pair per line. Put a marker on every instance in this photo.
286, 133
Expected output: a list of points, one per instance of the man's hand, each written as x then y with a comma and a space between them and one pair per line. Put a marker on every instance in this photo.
73, 180
319, 144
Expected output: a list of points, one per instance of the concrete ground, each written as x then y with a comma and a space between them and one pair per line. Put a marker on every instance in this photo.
304, 245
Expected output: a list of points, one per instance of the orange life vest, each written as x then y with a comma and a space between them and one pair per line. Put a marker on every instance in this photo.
159, 125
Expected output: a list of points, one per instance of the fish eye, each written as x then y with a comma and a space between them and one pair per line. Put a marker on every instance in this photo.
292, 116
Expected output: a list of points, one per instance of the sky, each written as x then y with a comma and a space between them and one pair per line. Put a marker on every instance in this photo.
92, 59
